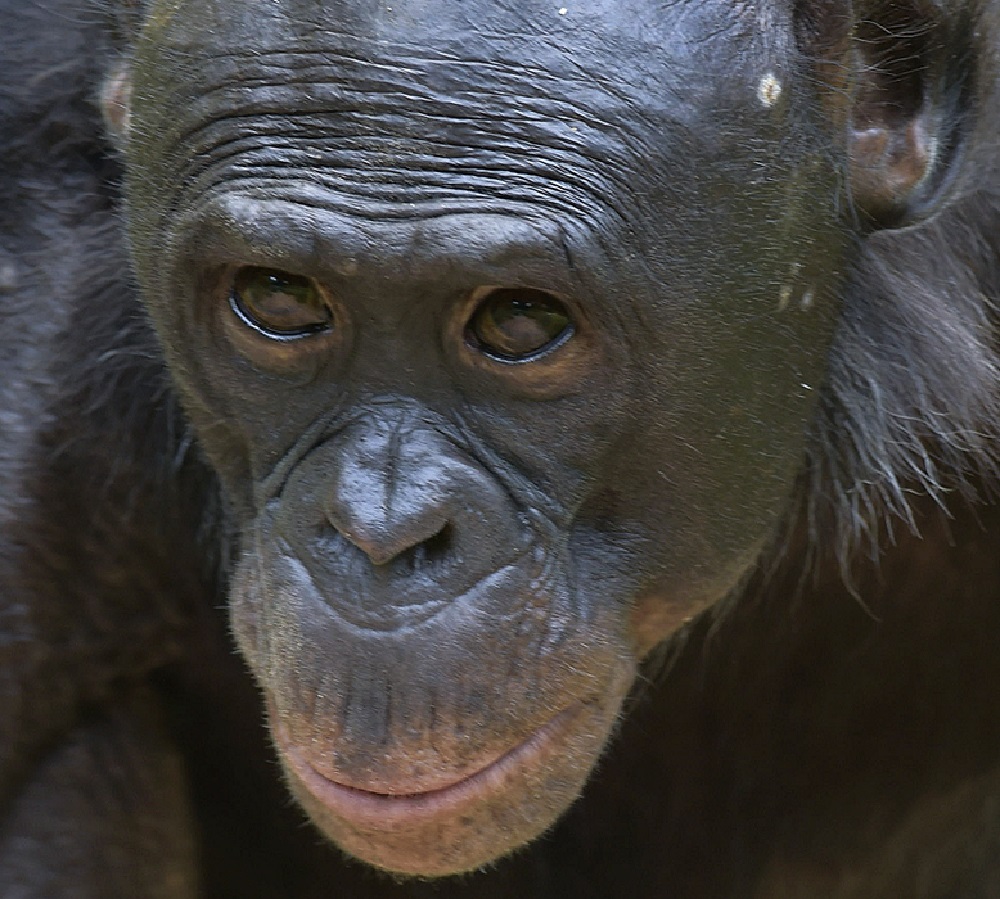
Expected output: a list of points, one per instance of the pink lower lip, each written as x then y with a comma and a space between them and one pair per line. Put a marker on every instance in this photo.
384, 809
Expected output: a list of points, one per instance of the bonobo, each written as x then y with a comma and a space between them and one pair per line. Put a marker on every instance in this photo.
583, 419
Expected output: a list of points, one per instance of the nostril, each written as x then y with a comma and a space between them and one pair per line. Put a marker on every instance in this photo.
425, 555
398, 550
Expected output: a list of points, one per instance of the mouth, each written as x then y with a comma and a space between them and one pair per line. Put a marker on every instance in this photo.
405, 804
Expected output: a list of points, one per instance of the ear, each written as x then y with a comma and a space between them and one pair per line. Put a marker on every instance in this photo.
114, 96
115, 99
898, 77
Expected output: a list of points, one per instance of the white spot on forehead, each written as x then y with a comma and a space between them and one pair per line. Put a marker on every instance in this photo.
790, 290
769, 90
563, 10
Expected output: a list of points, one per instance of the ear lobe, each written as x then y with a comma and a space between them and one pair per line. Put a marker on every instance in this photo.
898, 74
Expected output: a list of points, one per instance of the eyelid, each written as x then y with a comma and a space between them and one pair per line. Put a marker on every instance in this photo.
561, 368
241, 306
286, 355
274, 334
530, 296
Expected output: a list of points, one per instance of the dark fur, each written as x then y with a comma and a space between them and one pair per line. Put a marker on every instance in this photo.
804, 748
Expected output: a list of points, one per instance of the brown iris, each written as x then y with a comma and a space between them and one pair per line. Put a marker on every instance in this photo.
516, 324
278, 304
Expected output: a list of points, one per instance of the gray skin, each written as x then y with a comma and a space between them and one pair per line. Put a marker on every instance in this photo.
451, 565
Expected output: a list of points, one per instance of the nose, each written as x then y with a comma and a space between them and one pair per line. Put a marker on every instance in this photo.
392, 495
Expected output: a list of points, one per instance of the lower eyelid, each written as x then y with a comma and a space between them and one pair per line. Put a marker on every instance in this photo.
253, 319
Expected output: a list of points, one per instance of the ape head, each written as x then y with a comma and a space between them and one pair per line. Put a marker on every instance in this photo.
503, 326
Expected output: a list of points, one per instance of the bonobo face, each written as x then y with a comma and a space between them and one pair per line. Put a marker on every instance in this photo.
502, 324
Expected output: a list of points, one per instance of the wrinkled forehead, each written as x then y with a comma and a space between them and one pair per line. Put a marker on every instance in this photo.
602, 115
637, 48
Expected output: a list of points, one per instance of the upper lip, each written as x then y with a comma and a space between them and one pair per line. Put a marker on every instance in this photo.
389, 613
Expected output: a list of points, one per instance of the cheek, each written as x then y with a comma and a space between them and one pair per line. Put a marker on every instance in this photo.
661, 611
664, 549
696, 564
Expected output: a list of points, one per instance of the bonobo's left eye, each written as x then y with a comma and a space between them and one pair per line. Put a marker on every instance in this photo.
279, 305
517, 324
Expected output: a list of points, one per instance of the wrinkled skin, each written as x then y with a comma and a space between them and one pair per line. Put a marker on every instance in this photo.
452, 550
582, 494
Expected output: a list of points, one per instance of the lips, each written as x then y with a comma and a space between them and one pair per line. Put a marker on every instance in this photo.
403, 803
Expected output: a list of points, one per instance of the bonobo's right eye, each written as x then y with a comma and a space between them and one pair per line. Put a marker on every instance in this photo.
279, 305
